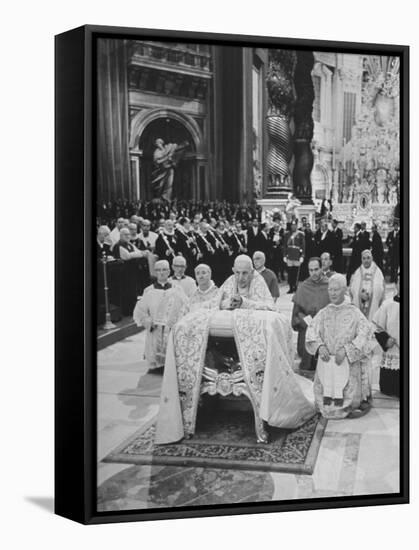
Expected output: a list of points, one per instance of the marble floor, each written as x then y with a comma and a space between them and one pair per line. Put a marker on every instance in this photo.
356, 457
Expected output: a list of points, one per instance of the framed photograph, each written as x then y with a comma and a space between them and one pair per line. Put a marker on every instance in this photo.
232, 289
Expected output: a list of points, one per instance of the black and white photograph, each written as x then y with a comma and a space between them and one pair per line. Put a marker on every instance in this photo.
249, 213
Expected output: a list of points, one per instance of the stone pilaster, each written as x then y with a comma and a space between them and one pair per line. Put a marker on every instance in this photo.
304, 126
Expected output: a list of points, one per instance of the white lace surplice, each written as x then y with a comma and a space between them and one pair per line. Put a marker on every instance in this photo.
387, 319
164, 308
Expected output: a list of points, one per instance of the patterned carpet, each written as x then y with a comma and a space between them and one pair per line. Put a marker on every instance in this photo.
226, 439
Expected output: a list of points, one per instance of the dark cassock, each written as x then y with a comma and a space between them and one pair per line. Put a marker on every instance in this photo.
377, 249
252, 240
337, 248
166, 246
310, 297
393, 243
131, 280
364, 240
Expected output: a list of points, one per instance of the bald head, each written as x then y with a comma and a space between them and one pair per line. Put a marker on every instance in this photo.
337, 288
243, 259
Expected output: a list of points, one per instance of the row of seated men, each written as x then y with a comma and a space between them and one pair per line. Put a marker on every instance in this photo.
110, 211
335, 327
218, 243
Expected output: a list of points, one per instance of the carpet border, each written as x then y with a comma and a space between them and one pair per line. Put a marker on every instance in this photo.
307, 468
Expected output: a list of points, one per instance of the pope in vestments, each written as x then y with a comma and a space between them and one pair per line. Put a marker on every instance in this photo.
263, 338
343, 339
157, 311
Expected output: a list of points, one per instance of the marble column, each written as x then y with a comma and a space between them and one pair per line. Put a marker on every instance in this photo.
281, 96
113, 168
304, 126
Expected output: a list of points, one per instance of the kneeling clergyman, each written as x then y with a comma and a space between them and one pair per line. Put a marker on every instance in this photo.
160, 307
343, 339
206, 294
263, 338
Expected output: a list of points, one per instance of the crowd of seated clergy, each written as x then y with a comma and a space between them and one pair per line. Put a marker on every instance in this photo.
215, 233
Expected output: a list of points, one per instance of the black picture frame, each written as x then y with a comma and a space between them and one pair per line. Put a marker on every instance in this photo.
75, 350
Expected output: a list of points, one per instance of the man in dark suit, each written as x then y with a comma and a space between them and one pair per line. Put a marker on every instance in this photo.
253, 237
393, 243
337, 246
263, 243
324, 239
364, 236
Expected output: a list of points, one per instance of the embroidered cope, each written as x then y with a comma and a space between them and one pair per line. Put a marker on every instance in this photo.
264, 343
336, 327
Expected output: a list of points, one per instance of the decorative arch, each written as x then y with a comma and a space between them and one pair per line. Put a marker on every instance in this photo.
320, 179
142, 119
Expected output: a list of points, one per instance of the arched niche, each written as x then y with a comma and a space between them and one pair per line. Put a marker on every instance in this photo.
172, 127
